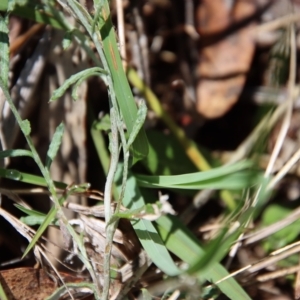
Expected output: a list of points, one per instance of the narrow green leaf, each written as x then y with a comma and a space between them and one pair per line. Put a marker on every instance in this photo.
10, 174
55, 144
4, 49
49, 218
196, 176
230, 177
15, 153
235, 181
154, 246
28, 178
30, 212
139, 123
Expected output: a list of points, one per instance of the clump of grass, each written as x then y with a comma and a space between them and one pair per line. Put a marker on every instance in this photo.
245, 189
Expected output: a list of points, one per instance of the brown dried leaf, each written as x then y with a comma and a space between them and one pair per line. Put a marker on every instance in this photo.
225, 56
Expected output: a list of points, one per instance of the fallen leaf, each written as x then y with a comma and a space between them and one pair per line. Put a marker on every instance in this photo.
225, 55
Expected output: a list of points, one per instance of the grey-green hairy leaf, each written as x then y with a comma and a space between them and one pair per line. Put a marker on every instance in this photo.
103, 123
33, 220
26, 127
140, 119
4, 49
82, 79
15, 153
74, 78
55, 144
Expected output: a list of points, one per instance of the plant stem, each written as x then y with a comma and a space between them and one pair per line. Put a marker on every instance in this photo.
110, 229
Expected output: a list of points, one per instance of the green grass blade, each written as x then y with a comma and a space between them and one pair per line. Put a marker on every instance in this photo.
179, 240
145, 230
28, 178
51, 215
196, 176
154, 246
30, 212
233, 177
121, 86
235, 181
48, 220
33, 217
